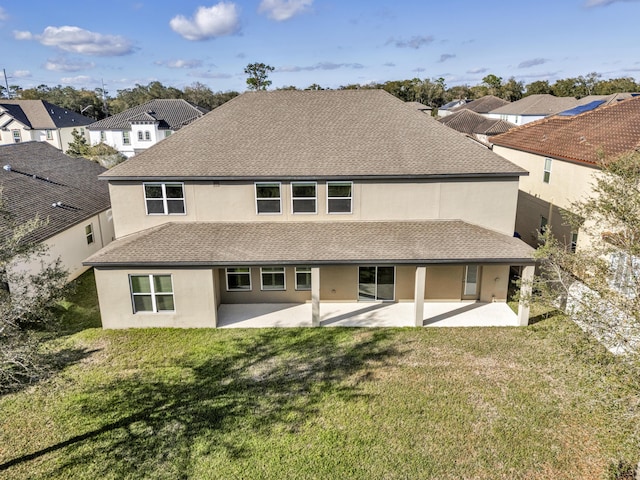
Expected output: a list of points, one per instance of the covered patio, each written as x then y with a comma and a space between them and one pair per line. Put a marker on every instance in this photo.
369, 314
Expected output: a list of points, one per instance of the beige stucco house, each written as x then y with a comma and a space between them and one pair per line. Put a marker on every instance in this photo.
37, 180
290, 197
561, 153
40, 121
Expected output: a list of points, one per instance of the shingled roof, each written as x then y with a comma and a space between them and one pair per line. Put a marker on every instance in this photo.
38, 114
482, 105
541, 104
314, 134
469, 122
611, 130
35, 175
171, 114
312, 243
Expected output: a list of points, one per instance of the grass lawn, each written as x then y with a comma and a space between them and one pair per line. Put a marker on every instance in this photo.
476, 403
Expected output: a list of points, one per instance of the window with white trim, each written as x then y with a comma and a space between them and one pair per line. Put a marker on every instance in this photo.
88, 232
103, 136
303, 278
303, 197
546, 176
268, 200
152, 293
164, 198
140, 135
126, 137
272, 278
339, 197
238, 279
147, 135
16, 136
574, 241
49, 134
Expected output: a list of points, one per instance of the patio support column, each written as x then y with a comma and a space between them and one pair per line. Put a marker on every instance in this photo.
526, 283
315, 296
421, 275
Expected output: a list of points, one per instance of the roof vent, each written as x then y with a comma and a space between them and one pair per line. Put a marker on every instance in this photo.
582, 139
7, 168
56, 204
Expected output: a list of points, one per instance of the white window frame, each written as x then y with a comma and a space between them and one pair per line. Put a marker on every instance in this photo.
164, 198
140, 136
126, 137
350, 198
147, 136
49, 134
468, 284
88, 232
17, 136
273, 272
103, 136
305, 270
227, 273
152, 293
314, 198
546, 171
279, 197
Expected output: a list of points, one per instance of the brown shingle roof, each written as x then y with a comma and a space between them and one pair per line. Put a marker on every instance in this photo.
542, 104
612, 130
469, 122
482, 105
314, 134
312, 243
40, 175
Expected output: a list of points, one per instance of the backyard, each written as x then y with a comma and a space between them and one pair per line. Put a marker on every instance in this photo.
541, 402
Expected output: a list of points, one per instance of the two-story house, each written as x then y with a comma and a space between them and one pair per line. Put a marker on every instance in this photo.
37, 180
138, 128
309, 198
40, 121
561, 153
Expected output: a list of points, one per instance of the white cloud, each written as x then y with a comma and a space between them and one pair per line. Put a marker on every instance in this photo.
320, 66
280, 10
62, 64
78, 40
21, 74
180, 63
3, 14
79, 80
603, 3
208, 22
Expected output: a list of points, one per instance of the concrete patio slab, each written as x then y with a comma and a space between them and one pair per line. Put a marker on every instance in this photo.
366, 314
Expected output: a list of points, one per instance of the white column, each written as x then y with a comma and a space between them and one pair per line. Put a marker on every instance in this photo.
421, 274
526, 283
315, 296
215, 276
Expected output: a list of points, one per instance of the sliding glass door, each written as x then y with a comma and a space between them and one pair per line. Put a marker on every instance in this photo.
376, 283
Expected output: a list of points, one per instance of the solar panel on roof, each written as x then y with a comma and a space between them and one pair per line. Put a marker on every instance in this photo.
581, 108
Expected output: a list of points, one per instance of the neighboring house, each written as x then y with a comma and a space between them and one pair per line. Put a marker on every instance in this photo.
445, 109
561, 154
136, 129
476, 125
40, 121
287, 197
38, 180
533, 107
482, 105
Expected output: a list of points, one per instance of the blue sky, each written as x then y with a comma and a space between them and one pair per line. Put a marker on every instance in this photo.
328, 42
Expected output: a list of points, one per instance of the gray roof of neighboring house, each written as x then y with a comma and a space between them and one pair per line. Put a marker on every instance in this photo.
482, 105
41, 115
314, 134
312, 243
469, 122
41, 175
541, 104
171, 114
454, 103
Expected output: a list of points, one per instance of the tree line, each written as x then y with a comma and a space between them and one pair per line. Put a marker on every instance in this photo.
429, 91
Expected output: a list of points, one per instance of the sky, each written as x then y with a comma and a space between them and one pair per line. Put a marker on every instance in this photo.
332, 43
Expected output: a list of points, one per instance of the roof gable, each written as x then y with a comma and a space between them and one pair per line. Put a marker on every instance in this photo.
610, 130
482, 105
314, 134
35, 175
540, 104
470, 122
44, 115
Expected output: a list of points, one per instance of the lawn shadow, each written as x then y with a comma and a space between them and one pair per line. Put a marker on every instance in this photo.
272, 383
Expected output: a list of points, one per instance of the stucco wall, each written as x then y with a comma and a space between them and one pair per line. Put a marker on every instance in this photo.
494, 283
444, 282
490, 204
256, 295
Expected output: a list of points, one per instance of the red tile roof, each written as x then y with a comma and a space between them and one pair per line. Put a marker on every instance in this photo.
608, 131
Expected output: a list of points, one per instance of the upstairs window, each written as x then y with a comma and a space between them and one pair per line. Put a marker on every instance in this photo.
164, 198
272, 278
126, 137
152, 293
16, 136
88, 232
147, 135
49, 134
268, 199
546, 176
140, 135
303, 197
103, 136
167, 133
339, 197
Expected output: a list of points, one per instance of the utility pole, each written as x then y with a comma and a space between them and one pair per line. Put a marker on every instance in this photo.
6, 83
104, 101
